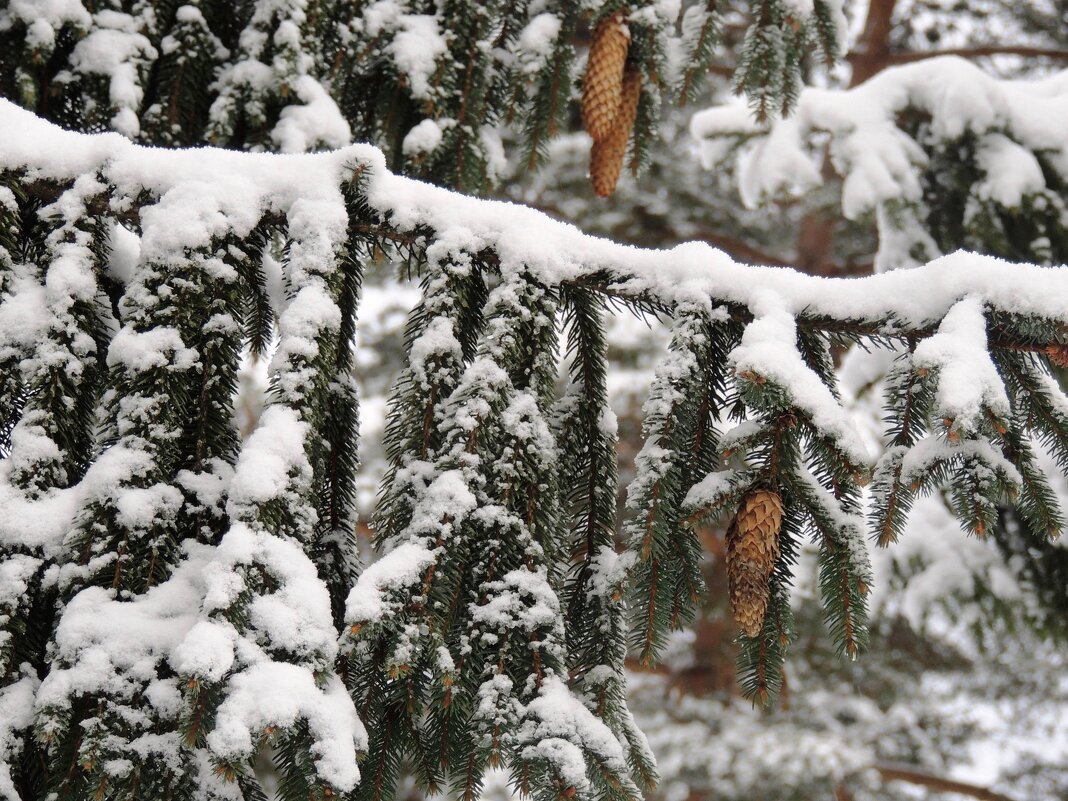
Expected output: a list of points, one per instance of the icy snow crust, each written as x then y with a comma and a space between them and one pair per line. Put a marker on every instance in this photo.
115, 646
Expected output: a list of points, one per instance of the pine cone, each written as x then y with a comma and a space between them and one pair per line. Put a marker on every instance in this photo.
606, 157
602, 87
752, 550
1057, 354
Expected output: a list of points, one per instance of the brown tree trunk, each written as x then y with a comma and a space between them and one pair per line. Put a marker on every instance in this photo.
816, 235
873, 50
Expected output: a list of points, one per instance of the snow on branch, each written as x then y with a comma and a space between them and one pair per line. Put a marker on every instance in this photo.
245, 186
877, 159
887, 136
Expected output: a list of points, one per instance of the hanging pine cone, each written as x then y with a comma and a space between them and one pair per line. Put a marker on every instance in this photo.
606, 157
752, 550
602, 87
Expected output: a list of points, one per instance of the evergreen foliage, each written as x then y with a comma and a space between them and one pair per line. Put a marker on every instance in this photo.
935, 168
776, 44
937, 591
428, 82
173, 610
934, 172
177, 604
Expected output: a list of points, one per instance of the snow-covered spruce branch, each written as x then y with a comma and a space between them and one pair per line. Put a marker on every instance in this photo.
507, 236
944, 155
291, 76
206, 603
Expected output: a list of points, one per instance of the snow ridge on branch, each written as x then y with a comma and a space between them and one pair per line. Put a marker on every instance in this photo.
247, 185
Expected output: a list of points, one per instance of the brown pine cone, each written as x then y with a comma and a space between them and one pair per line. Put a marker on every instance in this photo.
1057, 354
606, 157
752, 550
602, 86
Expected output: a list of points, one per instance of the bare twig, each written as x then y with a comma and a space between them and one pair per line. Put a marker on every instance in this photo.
907, 773
972, 52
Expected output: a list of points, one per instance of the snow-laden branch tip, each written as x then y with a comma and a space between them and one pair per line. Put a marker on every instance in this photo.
880, 162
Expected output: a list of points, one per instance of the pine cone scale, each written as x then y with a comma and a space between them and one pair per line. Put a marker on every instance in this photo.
602, 86
752, 551
607, 157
